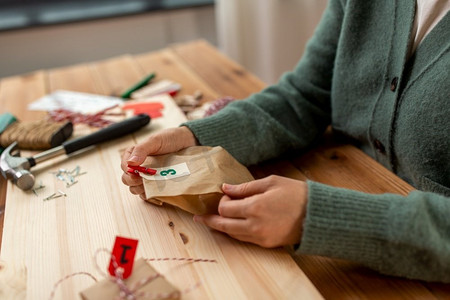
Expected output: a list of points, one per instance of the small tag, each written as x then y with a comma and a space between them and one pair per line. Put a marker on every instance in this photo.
124, 251
169, 172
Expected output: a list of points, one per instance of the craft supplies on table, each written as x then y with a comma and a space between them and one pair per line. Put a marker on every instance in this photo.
149, 106
100, 111
36, 135
144, 81
189, 103
164, 86
64, 233
17, 169
84, 103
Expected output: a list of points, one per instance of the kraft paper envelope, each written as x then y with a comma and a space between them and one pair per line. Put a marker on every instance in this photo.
191, 179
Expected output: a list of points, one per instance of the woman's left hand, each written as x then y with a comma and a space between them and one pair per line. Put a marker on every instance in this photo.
268, 212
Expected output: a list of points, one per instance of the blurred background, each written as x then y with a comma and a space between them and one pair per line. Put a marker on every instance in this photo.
265, 36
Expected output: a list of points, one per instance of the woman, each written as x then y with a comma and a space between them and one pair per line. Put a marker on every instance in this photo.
378, 72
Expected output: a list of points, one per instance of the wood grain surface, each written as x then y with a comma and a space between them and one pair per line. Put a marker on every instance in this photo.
58, 237
13, 281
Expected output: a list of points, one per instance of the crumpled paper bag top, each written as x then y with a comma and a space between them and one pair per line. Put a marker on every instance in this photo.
197, 190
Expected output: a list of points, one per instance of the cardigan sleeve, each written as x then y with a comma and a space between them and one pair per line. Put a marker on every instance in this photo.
396, 235
404, 236
287, 116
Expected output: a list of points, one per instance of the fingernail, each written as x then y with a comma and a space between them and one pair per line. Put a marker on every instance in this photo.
196, 219
227, 187
134, 158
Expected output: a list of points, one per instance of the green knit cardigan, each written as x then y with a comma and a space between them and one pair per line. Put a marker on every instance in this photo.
356, 75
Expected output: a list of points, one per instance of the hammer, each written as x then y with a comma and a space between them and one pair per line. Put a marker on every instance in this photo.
17, 168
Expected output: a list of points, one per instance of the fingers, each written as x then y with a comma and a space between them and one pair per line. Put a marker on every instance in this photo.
268, 212
245, 189
236, 228
163, 142
227, 225
131, 179
166, 141
135, 184
126, 154
229, 208
139, 153
137, 190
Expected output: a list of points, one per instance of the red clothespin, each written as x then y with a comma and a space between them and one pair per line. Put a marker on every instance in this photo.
137, 169
173, 93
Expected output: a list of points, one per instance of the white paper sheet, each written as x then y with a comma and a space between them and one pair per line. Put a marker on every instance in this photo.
74, 101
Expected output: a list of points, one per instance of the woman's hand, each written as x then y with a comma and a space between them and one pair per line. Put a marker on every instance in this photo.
163, 142
268, 212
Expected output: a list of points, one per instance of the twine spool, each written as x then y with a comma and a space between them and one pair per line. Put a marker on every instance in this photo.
36, 135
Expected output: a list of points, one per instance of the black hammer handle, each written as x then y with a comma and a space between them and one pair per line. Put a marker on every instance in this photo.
111, 132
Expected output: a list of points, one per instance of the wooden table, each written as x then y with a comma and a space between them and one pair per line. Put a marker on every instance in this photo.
243, 270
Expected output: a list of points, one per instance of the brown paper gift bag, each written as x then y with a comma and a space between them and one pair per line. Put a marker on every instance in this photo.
191, 179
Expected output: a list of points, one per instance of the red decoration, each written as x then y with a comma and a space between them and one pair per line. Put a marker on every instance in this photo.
123, 256
94, 120
137, 169
153, 109
217, 105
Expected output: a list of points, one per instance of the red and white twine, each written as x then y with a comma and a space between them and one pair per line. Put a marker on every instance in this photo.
94, 120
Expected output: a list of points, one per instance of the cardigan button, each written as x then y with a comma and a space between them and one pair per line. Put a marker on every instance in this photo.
379, 146
394, 84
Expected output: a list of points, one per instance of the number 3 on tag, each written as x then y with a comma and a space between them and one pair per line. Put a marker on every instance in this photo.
168, 172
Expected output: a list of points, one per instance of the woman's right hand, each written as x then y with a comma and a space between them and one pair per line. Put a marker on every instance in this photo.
162, 142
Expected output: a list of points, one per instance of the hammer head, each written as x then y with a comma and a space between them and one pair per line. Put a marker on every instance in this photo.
16, 168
